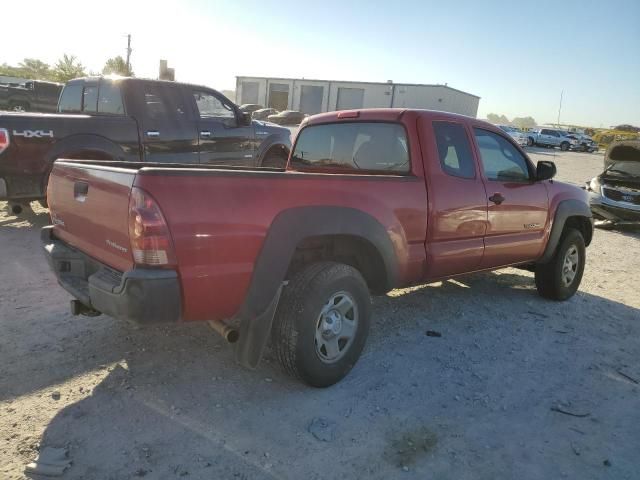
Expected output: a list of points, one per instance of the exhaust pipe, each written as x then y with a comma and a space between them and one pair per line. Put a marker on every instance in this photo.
16, 208
230, 334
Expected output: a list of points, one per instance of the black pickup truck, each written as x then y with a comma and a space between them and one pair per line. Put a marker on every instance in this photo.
33, 96
127, 119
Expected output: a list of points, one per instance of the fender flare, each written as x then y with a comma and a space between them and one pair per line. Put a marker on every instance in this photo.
273, 140
288, 229
85, 142
78, 143
566, 208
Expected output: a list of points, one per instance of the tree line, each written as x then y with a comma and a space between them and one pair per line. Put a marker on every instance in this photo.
65, 69
520, 122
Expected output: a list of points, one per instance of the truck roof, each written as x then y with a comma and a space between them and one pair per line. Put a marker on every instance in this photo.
133, 80
388, 114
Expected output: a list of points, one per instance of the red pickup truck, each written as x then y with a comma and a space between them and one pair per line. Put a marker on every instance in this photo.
370, 200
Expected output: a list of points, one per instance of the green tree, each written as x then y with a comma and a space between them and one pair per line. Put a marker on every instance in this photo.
67, 68
9, 71
497, 119
35, 69
524, 122
117, 66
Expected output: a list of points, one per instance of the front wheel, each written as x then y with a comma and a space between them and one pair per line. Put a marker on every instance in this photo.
322, 323
564, 146
530, 142
560, 277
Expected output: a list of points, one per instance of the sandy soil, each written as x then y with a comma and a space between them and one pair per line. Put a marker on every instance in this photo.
476, 403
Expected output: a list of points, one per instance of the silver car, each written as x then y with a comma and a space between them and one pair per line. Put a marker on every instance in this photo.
519, 136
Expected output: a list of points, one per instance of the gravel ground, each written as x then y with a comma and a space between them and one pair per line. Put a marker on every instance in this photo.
476, 403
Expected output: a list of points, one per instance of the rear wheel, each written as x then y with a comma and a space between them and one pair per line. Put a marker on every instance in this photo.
322, 323
560, 277
530, 142
564, 146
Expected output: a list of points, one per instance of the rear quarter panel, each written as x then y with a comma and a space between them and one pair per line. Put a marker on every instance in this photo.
219, 222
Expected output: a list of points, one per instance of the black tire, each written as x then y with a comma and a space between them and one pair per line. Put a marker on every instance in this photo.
564, 146
550, 277
298, 319
530, 142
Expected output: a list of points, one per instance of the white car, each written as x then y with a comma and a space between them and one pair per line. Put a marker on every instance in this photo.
520, 137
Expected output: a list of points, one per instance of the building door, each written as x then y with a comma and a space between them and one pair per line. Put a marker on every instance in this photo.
279, 96
249, 92
311, 99
350, 98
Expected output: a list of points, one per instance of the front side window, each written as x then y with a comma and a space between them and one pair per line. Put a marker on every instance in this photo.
210, 106
71, 99
501, 160
110, 99
454, 149
368, 146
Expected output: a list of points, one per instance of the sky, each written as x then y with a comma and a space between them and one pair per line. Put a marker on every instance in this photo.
517, 56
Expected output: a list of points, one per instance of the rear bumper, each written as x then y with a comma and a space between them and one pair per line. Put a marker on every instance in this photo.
141, 295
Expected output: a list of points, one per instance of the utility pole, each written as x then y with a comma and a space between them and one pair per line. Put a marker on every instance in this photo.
560, 107
128, 53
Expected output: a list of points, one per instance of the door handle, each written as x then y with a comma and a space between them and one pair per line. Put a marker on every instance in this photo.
205, 133
497, 198
153, 133
80, 191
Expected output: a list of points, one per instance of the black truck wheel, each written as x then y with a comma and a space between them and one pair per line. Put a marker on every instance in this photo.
560, 277
564, 146
322, 323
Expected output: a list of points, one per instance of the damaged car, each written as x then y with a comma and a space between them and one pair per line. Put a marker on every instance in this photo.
614, 195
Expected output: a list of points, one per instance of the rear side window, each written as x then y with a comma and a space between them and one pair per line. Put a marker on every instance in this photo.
501, 161
110, 99
354, 146
71, 98
90, 99
454, 149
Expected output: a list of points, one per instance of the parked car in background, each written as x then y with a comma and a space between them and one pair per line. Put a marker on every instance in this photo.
584, 142
33, 96
550, 137
250, 107
614, 195
287, 117
135, 120
520, 137
264, 113
294, 255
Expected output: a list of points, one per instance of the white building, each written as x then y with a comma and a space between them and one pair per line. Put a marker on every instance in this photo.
315, 96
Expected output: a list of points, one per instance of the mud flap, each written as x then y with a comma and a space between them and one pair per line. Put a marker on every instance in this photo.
254, 334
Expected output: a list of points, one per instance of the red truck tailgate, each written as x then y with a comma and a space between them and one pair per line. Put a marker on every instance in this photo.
89, 207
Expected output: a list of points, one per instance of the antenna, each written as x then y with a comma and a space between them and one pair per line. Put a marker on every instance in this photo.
128, 53
560, 107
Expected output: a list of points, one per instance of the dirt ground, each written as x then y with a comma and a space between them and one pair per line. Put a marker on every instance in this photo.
479, 402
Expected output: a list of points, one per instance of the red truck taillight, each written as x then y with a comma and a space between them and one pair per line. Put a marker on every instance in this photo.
4, 139
151, 243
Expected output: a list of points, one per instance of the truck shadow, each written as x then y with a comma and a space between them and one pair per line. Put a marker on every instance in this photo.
170, 400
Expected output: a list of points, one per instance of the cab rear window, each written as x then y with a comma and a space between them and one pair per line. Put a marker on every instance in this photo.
369, 146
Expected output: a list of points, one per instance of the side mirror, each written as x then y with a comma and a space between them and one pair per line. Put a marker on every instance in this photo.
245, 119
545, 170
